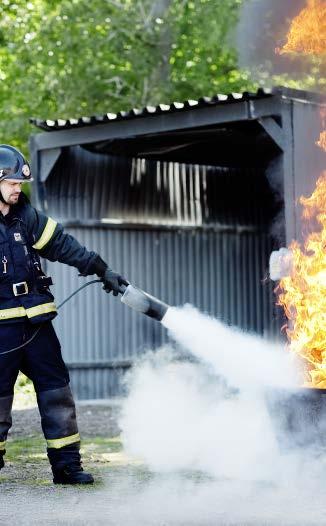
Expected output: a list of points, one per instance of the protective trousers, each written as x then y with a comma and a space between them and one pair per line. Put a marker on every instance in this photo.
42, 362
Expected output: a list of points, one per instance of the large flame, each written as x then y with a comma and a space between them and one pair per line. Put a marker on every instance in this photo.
304, 292
308, 30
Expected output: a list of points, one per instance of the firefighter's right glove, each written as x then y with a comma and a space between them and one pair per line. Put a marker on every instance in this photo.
114, 282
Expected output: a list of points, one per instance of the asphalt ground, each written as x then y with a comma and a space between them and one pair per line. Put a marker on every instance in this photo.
127, 493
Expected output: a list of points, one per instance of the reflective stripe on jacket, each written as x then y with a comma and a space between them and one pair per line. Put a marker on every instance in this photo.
25, 235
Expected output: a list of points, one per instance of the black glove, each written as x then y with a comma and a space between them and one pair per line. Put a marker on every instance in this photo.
114, 282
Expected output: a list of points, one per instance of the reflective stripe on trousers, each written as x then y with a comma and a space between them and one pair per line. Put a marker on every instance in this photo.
58, 443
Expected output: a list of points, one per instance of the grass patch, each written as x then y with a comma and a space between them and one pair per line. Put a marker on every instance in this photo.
27, 463
30, 449
33, 447
25, 396
94, 451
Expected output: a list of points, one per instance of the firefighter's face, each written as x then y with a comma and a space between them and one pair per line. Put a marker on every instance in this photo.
10, 190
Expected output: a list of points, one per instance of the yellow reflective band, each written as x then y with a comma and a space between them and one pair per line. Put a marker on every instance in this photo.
16, 312
40, 309
46, 234
2, 446
58, 443
20, 312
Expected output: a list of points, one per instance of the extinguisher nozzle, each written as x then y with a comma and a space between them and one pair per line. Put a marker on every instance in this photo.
142, 302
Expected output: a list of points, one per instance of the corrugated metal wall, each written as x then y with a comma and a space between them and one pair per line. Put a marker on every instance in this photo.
188, 234
87, 186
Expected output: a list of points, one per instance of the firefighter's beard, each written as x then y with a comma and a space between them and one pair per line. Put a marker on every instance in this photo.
13, 198
10, 199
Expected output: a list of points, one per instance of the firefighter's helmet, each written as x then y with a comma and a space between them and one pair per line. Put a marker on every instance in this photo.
13, 165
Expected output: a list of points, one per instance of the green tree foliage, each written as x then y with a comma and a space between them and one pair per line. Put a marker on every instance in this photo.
202, 59
74, 57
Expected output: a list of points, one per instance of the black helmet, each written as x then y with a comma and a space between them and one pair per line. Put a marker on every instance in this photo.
13, 164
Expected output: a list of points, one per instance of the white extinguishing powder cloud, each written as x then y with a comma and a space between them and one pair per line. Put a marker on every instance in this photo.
210, 415
244, 360
206, 431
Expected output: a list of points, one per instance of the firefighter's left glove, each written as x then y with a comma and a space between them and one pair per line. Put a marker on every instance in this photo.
114, 282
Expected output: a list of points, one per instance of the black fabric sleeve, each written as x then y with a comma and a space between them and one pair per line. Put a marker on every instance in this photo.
64, 248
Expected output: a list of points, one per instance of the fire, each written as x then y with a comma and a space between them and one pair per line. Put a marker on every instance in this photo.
307, 33
304, 291
322, 140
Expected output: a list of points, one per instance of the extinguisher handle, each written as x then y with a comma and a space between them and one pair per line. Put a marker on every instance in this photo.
123, 287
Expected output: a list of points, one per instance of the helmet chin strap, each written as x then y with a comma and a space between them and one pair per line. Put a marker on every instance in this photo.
2, 199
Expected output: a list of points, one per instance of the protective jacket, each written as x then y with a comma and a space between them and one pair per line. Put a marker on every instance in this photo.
25, 235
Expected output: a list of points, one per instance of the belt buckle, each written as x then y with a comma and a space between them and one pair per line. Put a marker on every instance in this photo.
20, 288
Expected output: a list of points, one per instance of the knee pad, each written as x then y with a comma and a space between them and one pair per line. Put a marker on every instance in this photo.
58, 417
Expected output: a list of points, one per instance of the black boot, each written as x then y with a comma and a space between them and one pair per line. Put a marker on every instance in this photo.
72, 474
66, 466
2, 462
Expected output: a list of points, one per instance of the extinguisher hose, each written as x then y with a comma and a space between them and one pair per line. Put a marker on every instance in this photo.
59, 306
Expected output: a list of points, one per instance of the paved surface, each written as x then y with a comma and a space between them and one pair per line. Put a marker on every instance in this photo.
126, 499
96, 419
127, 494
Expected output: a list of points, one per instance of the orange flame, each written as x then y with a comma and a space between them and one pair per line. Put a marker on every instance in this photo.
308, 30
304, 292
322, 140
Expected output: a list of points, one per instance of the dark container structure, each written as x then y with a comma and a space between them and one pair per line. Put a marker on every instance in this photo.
187, 200
299, 418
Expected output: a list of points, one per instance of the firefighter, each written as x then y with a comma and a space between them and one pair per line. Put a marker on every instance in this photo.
26, 310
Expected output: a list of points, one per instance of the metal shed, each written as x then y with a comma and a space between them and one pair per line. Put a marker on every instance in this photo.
187, 200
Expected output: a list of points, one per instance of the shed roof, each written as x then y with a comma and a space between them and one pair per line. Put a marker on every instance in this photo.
148, 111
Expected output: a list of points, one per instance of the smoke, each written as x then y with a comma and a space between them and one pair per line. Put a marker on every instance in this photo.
245, 360
179, 417
214, 436
213, 431
262, 27
210, 415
